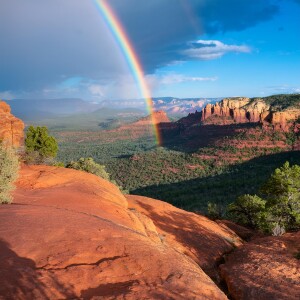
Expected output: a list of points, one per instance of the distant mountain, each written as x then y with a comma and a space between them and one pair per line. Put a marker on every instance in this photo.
77, 113
171, 105
181, 107
38, 109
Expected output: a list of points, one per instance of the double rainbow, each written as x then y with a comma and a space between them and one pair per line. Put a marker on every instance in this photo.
131, 58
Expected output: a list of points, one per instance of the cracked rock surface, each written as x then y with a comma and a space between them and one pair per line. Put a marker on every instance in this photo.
71, 235
265, 268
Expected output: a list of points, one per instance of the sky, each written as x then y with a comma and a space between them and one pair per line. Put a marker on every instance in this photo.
188, 48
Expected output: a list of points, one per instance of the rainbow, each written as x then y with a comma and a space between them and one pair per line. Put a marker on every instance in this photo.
131, 57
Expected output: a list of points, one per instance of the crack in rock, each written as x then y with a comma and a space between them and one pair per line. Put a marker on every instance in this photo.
97, 263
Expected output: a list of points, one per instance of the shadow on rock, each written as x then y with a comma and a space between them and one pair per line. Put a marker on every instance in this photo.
20, 278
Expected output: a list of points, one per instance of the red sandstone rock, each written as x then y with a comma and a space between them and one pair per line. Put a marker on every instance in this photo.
241, 231
185, 232
156, 118
265, 268
70, 235
242, 110
11, 128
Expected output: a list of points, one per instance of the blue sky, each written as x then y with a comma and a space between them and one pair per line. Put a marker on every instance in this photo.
189, 48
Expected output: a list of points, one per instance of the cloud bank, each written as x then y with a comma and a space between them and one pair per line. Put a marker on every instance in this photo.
45, 43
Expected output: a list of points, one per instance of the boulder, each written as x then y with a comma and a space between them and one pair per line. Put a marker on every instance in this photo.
265, 268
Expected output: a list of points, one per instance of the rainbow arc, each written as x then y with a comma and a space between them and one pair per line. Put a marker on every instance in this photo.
131, 58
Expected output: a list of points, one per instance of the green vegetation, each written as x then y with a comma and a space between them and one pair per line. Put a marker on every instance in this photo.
218, 184
278, 209
39, 144
216, 173
9, 167
216, 164
88, 165
104, 118
248, 210
282, 101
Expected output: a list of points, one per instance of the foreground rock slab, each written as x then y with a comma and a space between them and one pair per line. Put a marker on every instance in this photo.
70, 235
265, 268
198, 237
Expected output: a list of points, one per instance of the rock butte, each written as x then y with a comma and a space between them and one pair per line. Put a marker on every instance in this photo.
243, 110
11, 128
70, 234
156, 118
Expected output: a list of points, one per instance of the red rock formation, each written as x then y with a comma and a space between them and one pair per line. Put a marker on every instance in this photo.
265, 268
242, 110
71, 235
156, 118
228, 108
11, 128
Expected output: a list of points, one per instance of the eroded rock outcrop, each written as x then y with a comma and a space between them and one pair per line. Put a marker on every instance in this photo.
245, 110
11, 128
156, 118
265, 268
72, 235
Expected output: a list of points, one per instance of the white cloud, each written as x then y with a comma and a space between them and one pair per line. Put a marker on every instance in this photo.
178, 78
212, 49
168, 79
283, 89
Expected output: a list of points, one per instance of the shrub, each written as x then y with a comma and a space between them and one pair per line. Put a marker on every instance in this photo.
279, 209
40, 146
59, 164
9, 166
215, 211
248, 210
282, 192
90, 166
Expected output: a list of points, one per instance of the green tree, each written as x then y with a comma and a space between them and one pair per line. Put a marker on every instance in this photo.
282, 192
39, 142
90, 166
279, 207
248, 210
9, 167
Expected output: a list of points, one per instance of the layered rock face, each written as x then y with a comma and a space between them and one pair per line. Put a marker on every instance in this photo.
72, 235
11, 128
245, 110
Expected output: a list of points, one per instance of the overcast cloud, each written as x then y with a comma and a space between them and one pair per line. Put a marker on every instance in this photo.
44, 43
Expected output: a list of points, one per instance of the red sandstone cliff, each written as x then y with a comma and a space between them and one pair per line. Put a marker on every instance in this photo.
245, 110
11, 128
